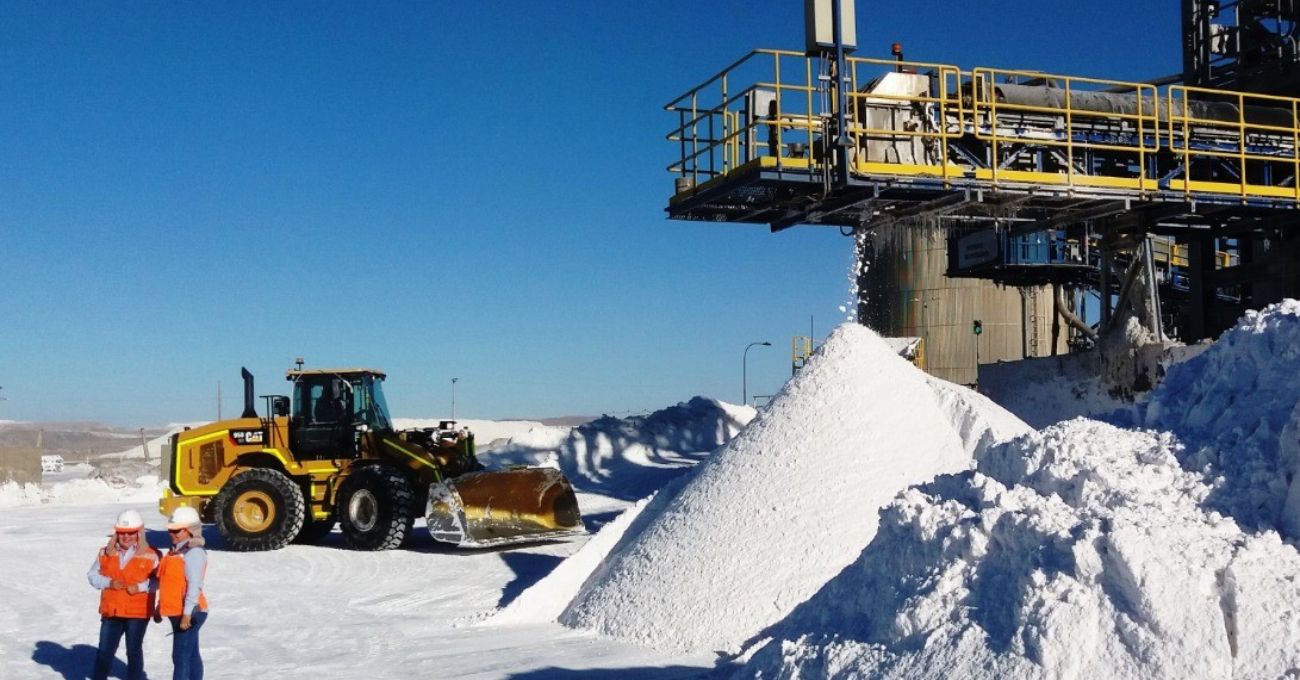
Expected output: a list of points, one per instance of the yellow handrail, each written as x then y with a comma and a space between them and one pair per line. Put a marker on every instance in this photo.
1181, 126
722, 129
985, 100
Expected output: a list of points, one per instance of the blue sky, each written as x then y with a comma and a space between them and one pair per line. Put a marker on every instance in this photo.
438, 189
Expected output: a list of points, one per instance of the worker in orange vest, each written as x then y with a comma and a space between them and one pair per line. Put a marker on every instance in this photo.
122, 572
180, 591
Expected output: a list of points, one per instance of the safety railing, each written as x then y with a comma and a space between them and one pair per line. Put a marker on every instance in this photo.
903, 116
763, 105
1234, 142
1083, 137
768, 108
1004, 128
1178, 255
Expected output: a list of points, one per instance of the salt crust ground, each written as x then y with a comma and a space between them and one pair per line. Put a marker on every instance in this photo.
763, 522
394, 614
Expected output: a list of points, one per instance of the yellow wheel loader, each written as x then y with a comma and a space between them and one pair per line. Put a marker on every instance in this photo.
331, 454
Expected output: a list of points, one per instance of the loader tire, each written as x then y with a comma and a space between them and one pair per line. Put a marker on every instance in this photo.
314, 531
259, 509
376, 508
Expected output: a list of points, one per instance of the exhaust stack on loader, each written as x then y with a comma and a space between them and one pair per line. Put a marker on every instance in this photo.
331, 455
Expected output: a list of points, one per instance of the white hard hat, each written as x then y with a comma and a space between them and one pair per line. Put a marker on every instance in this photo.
128, 520
184, 517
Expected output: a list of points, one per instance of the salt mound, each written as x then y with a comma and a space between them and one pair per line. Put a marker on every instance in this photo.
629, 458
546, 600
1047, 390
1080, 551
1237, 408
979, 421
81, 492
763, 523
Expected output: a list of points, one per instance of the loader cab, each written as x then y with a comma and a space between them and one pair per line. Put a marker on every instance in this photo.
330, 407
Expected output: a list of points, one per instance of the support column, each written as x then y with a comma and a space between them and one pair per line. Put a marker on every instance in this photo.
1153, 289
1105, 281
1200, 272
1056, 317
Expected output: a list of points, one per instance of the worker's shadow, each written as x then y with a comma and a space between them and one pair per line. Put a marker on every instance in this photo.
73, 663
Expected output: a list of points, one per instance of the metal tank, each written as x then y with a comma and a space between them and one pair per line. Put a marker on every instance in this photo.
902, 292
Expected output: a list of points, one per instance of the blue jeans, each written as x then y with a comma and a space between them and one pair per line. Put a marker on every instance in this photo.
111, 629
186, 662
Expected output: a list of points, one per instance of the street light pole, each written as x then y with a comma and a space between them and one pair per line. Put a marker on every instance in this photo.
744, 372
453, 399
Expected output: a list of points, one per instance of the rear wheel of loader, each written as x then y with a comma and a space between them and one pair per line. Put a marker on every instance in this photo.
259, 509
313, 531
376, 508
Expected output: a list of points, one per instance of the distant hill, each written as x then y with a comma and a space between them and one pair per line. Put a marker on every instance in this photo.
72, 440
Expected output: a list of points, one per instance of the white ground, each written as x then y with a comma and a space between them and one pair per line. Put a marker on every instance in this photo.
324, 611
305, 611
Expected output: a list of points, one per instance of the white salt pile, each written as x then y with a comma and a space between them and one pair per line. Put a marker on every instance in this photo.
81, 491
1086, 550
547, 599
629, 458
1080, 551
1237, 408
1046, 390
978, 421
763, 523
623, 457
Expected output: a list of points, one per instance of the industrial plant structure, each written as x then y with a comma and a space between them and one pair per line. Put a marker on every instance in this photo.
1056, 210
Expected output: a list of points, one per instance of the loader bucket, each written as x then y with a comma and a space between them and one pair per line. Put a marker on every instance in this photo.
483, 509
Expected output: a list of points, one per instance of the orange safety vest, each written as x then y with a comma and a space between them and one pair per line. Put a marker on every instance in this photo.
120, 603
172, 585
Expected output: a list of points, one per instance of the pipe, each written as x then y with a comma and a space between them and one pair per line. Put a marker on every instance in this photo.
1057, 303
1122, 103
1105, 281
1075, 322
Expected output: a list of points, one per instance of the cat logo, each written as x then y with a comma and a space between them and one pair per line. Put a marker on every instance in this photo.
246, 437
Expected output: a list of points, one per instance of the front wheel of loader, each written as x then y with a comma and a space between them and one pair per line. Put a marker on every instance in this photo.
259, 509
376, 508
